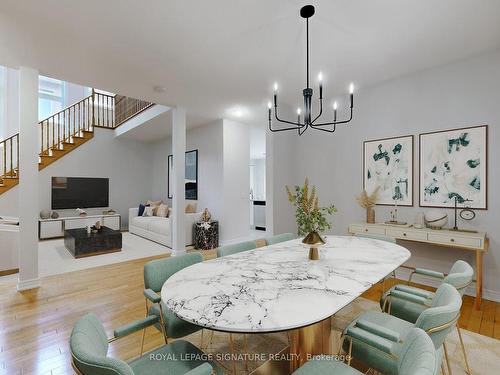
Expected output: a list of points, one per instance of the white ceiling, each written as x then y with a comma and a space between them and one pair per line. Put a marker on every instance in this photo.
219, 58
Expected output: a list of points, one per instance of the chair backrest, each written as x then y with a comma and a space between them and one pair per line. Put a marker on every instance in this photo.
376, 237
440, 319
89, 348
460, 276
279, 238
156, 272
418, 355
235, 248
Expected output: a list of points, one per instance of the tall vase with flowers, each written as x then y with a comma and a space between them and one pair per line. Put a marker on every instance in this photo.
312, 219
368, 201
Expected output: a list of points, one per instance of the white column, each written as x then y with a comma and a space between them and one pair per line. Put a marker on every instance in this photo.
28, 179
179, 169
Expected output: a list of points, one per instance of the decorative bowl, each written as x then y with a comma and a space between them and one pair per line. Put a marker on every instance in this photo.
436, 219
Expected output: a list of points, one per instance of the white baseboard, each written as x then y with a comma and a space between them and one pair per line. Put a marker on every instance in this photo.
28, 284
404, 273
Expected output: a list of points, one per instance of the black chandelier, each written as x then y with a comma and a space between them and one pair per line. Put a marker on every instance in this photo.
301, 126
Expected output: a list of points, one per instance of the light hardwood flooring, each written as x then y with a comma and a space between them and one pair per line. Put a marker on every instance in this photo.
35, 325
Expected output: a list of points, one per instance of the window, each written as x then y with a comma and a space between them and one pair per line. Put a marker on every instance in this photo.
51, 96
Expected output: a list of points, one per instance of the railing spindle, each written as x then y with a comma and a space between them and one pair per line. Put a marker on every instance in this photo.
17, 152
11, 160
4, 158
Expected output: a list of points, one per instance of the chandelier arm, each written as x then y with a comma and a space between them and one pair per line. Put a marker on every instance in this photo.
320, 111
326, 130
301, 131
297, 125
335, 122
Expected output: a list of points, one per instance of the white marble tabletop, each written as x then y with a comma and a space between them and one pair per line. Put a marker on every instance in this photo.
277, 287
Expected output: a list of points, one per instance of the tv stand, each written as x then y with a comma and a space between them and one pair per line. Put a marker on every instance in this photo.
54, 228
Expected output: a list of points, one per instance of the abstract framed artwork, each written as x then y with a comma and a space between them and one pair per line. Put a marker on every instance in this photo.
388, 165
191, 176
454, 166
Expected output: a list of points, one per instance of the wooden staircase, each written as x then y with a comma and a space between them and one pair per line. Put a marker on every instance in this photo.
68, 129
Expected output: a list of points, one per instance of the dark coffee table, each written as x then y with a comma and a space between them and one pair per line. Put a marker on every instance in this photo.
81, 244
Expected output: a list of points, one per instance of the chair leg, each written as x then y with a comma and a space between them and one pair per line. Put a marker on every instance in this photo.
463, 350
447, 359
233, 359
350, 352
142, 341
162, 322
144, 330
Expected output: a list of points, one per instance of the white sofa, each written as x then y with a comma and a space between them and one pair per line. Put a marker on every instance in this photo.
9, 244
159, 229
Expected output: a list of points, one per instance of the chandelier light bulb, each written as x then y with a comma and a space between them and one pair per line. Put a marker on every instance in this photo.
351, 88
275, 86
320, 77
335, 106
298, 111
269, 105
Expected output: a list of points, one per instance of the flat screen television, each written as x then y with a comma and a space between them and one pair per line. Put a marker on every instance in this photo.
79, 192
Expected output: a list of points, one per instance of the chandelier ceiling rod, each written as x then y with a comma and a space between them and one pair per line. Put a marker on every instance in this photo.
307, 12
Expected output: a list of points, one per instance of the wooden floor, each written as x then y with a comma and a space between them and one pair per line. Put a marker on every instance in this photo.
35, 325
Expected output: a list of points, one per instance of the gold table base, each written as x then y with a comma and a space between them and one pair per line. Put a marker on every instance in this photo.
305, 343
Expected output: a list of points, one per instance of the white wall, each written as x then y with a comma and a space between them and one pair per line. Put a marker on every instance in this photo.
258, 178
126, 163
223, 174
236, 189
452, 96
208, 141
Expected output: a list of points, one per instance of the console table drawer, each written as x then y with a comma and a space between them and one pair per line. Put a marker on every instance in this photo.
455, 240
407, 234
367, 229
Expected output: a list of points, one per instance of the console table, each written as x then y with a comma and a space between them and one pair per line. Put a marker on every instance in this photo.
54, 228
477, 242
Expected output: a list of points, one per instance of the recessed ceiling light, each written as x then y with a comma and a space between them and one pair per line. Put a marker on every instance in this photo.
160, 89
237, 111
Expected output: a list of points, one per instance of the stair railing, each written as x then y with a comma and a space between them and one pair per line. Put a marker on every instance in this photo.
96, 110
104, 110
10, 156
126, 108
62, 126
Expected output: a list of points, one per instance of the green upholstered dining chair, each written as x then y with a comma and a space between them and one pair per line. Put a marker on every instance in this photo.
407, 302
279, 238
156, 272
438, 320
414, 356
89, 352
381, 238
235, 248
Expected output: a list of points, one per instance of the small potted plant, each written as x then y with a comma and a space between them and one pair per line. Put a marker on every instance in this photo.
368, 201
311, 218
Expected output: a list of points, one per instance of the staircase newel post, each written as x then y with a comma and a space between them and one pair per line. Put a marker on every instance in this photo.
93, 108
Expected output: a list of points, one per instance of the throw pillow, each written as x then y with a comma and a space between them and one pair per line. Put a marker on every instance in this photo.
148, 211
191, 208
142, 207
162, 210
153, 203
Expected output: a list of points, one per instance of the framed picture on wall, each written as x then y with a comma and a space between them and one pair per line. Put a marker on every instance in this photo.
454, 166
191, 177
388, 165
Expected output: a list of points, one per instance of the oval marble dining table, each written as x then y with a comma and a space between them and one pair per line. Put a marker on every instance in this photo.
277, 288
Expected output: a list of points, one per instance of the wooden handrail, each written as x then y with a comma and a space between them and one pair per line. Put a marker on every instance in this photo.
95, 110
